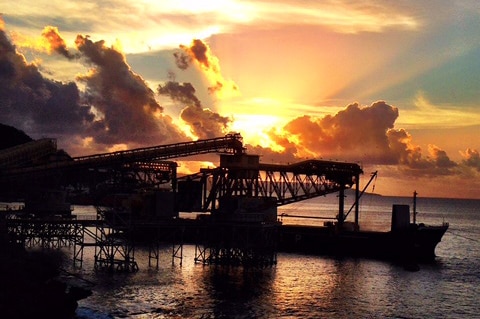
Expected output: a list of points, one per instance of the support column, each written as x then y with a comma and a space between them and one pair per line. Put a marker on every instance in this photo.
341, 205
357, 199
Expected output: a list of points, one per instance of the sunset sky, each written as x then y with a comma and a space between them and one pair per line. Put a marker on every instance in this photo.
392, 85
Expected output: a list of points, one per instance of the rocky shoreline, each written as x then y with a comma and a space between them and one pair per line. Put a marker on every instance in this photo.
31, 286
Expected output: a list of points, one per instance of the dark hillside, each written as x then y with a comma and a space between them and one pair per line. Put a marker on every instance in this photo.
10, 136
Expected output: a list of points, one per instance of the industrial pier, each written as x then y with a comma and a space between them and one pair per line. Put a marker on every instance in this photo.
139, 197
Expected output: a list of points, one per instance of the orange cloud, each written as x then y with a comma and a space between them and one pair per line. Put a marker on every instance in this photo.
440, 157
56, 42
471, 158
199, 54
404, 151
50, 41
354, 133
366, 135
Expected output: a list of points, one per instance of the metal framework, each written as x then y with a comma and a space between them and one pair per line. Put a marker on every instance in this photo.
132, 177
232, 237
249, 239
287, 183
49, 234
143, 166
53, 233
230, 143
81, 243
114, 247
108, 233
30, 153
161, 233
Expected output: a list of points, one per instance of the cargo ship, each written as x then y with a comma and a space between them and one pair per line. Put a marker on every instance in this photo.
406, 241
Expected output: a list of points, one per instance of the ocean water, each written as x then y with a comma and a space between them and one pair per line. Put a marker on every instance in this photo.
302, 286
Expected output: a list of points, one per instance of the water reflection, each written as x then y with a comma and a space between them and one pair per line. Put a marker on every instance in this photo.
304, 286
307, 286
238, 292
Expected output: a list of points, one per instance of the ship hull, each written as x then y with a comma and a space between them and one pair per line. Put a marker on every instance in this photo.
416, 243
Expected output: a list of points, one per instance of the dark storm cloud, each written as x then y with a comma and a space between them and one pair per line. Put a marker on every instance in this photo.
117, 107
129, 111
203, 122
182, 60
180, 92
34, 104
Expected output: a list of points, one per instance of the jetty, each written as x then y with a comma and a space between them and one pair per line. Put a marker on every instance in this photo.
139, 196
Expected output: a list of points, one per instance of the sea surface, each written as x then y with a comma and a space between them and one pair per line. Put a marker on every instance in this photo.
302, 286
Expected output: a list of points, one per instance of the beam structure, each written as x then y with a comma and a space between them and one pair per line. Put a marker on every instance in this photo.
287, 183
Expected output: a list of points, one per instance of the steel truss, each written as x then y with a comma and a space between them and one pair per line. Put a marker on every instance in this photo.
142, 165
135, 176
114, 248
81, 243
287, 183
48, 234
